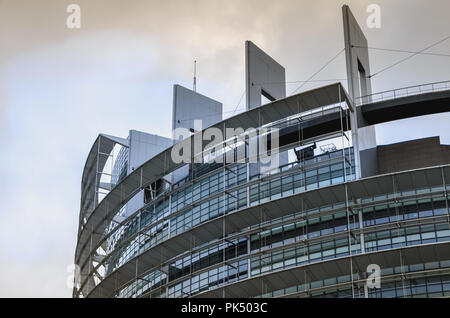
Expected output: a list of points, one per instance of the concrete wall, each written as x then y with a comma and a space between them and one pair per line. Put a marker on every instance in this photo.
413, 154
359, 84
189, 106
262, 74
144, 146
357, 56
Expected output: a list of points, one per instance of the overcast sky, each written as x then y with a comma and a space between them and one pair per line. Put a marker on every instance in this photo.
60, 88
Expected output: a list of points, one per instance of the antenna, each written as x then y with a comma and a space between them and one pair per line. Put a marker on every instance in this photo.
195, 76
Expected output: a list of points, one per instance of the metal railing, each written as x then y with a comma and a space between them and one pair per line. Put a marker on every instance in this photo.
403, 92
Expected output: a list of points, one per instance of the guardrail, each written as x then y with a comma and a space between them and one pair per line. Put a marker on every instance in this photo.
403, 92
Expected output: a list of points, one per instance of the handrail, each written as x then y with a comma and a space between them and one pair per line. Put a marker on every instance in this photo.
403, 92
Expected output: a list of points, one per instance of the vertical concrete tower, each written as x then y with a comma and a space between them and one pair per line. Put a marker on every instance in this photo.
189, 109
263, 77
359, 85
189, 106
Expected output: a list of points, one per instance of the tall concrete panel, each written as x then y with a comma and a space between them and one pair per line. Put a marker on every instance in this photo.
189, 106
359, 84
263, 77
357, 56
143, 147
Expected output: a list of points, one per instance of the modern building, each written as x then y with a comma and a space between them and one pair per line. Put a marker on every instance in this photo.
338, 216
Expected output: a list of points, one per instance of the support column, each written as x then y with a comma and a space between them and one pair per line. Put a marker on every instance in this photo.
359, 85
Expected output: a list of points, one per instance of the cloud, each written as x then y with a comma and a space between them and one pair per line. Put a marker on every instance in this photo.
68, 101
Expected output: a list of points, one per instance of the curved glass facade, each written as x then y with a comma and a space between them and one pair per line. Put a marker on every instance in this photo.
120, 166
293, 198
333, 231
307, 238
217, 193
306, 228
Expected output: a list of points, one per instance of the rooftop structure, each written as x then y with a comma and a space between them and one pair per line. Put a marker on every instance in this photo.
226, 223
